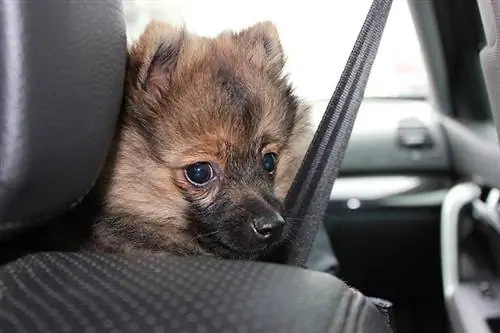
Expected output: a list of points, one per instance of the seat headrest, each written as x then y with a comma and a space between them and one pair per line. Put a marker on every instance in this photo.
62, 68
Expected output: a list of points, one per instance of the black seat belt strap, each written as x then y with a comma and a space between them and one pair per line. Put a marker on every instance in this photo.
309, 194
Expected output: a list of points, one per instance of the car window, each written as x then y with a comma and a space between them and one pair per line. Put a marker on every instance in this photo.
317, 36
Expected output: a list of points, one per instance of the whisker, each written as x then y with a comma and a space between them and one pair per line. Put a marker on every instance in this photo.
207, 234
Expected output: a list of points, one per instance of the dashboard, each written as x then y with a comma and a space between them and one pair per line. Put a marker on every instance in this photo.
383, 218
392, 135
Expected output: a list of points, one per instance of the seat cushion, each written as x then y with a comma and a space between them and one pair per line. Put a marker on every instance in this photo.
75, 292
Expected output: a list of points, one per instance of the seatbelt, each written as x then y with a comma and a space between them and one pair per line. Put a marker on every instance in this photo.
307, 200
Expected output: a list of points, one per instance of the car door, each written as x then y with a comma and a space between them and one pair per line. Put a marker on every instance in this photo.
460, 39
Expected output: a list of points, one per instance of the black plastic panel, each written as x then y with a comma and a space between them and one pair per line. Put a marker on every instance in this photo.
385, 233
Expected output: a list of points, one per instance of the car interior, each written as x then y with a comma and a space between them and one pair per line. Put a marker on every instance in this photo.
413, 217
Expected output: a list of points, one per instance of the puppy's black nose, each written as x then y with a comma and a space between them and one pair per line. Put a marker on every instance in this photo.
268, 227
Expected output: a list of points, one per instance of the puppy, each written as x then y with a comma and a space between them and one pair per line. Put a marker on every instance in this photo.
209, 142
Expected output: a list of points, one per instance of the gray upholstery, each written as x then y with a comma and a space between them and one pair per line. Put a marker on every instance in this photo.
62, 67
61, 79
104, 293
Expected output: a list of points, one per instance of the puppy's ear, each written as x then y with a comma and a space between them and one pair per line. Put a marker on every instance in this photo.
152, 59
263, 45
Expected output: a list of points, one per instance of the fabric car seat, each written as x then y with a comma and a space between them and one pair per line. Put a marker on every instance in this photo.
62, 68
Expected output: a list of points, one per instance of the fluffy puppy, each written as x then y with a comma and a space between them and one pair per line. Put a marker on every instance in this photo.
209, 142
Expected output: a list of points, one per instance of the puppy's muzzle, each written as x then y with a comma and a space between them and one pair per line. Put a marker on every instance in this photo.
268, 228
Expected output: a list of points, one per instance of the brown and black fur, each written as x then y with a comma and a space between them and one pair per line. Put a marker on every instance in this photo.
189, 99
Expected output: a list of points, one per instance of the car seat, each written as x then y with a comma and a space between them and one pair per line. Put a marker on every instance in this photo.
62, 69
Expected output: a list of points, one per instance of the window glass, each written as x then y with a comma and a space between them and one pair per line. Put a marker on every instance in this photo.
317, 36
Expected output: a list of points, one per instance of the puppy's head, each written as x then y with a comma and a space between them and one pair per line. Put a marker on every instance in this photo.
210, 142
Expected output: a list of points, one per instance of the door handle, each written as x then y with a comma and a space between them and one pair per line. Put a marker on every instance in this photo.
457, 198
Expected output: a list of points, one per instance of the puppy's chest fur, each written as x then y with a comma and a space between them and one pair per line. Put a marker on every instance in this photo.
190, 99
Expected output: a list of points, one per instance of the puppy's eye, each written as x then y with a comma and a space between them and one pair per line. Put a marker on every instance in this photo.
199, 173
269, 162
